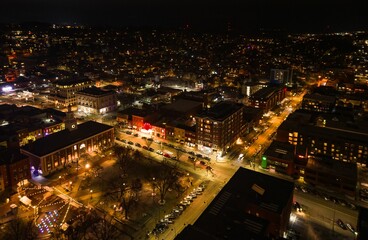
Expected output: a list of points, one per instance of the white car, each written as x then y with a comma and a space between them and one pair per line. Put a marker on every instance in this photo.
350, 228
159, 152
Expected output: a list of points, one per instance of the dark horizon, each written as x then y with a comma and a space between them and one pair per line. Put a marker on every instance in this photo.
233, 15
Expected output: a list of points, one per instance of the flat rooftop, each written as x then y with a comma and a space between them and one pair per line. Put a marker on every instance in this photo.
221, 110
182, 106
264, 93
333, 167
227, 216
65, 138
280, 150
94, 91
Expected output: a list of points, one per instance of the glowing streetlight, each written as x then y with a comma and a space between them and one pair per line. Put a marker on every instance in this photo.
87, 167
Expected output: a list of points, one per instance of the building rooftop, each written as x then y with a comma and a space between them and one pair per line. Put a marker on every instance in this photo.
182, 106
264, 93
71, 81
94, 91
328, 124
338, 168
62, 139
227, 218
281, 150
319, 97
136, 112
221, 111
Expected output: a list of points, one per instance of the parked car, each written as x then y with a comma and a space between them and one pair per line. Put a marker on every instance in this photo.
167, 155
145, 147
151, 149
159, 152
135, 135
138, 145
348, 225
130, 143
341, 224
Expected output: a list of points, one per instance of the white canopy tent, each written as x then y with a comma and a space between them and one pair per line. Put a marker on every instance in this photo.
25, 200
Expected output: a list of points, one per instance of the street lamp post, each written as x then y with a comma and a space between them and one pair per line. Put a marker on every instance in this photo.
59, 180
91, 191
153, 187
87, 167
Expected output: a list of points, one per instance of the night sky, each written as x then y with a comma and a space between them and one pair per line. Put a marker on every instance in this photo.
290, 15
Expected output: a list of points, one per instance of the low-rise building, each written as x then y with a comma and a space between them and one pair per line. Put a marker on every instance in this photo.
55, 151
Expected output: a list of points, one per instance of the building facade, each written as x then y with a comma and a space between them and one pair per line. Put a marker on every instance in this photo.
15, 169
219, 127
267, 98
60, 149
319, 103
327, 135
64, 92
96, 101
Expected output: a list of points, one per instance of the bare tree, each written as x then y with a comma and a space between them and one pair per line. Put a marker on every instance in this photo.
127, 201
179, 153
125, 195
124, 158
166, 177
104, 229
19, 229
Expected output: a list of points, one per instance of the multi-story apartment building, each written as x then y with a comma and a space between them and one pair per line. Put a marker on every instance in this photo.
95, 100
64, 91
340, 137
319, 103
249, 88
280, 76
267, 98
218, 127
